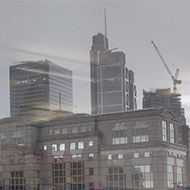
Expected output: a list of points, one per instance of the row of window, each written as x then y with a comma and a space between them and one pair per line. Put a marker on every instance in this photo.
14, 140
171, 154
141, 176
140, 133
26, 81
110, 156
72, 145
121, 156
78, 157
73, 130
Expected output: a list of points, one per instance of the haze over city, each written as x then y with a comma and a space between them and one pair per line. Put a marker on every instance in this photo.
61, 31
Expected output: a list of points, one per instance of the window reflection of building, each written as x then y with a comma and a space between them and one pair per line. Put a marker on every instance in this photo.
142, 178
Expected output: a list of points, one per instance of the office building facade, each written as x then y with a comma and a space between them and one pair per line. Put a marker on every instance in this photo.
184, 134
110, 151
112, 84
37, 87
163, 97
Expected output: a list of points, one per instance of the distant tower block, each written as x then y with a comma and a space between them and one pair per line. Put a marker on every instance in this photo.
39, 86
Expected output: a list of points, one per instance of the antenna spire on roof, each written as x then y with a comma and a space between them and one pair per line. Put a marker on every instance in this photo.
105, 22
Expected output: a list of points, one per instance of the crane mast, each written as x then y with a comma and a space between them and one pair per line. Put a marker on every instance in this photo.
174, 77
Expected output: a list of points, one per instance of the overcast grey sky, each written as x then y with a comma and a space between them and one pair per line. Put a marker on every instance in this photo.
61, 31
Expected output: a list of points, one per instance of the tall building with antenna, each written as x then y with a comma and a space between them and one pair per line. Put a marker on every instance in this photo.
112, 84
38, 87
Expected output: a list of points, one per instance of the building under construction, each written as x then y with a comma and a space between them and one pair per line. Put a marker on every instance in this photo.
163, 97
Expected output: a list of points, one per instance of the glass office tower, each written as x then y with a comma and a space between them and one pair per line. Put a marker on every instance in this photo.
112, 84
39, 86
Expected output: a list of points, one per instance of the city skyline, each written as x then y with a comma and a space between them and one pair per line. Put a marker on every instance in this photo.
47, 30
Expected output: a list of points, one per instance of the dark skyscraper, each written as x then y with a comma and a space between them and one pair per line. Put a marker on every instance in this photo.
112, 84
39, 86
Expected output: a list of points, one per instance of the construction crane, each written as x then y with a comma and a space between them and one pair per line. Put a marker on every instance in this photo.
174, 77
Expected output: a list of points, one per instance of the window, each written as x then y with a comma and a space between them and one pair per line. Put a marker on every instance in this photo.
147, 154
17, 138
58, 159
64, 131
80, 145
83, 129
179, 175
91, 186
140, 132
38, 174
91, 156
3, 138
75, 130
91, 171
74, 156
171, 133
164, 131
62, 146
54, 147
110, 156
91, 143
57, 131
58, 173
45, 147
119, 132
50, 132
77, 157
142, 177
90, 128
77, 175
136, 155
21, 160
1, 182
120, 156
72, 146
170, 176
17, 180
116, 179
